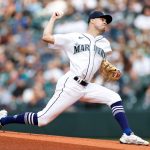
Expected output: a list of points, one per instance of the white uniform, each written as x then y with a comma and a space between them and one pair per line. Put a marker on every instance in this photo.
85, 53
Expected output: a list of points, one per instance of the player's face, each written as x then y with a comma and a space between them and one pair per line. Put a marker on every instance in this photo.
100, 24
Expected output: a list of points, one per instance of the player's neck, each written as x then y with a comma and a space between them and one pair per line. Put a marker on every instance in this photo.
94, 33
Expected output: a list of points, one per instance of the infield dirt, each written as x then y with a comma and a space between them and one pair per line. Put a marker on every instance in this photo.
28, 141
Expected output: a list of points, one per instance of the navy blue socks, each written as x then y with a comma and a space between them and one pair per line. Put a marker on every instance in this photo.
26, 118
119, 114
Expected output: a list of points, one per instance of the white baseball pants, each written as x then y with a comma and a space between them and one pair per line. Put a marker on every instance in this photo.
68, 91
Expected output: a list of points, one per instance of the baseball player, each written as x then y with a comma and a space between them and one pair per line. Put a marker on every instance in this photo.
85, 52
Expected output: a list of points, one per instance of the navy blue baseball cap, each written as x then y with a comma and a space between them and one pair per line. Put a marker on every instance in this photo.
99, 14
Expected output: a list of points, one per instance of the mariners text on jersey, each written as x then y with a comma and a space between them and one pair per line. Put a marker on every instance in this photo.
99, 51
86, 47
81, 47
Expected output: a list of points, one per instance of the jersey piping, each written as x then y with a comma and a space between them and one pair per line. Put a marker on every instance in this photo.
89, 56
55, 100
94, 56
92, 62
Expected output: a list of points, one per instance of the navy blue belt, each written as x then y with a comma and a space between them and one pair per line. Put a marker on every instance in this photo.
80, 81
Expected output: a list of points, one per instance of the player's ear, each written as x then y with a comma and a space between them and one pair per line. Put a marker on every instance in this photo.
92, 21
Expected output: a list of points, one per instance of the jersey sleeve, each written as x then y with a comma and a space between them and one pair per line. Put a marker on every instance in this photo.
107, 46
60, 40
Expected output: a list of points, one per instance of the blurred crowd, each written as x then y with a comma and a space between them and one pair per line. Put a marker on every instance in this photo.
29, 70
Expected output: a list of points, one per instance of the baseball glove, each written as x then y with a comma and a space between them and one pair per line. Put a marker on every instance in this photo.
109, 72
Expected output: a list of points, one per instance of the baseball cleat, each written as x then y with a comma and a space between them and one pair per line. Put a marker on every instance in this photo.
3, 113
132, 139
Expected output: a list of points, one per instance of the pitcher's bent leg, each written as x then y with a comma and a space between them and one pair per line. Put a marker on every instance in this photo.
67, 92
96, 93
99, 94
56, 105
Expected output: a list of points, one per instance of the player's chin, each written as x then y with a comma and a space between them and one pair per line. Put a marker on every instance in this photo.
102, 29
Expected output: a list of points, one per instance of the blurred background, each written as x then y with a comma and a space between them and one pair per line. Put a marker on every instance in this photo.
29, 70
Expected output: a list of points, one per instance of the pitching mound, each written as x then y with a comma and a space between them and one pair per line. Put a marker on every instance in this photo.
27, 141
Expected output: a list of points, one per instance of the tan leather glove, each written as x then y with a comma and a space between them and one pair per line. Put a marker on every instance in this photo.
109, 72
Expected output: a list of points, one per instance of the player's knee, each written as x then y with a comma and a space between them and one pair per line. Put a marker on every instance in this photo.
42, 122
46, 119
115, 97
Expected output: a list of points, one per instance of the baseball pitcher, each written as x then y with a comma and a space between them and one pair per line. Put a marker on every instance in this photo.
87, 54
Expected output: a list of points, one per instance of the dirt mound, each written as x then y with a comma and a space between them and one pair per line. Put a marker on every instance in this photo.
28, 141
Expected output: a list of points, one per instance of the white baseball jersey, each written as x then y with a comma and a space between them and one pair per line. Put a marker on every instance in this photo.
85, 53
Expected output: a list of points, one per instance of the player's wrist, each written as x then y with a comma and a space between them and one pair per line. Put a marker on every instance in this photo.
53, 19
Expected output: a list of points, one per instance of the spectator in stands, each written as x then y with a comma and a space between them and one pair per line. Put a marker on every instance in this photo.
142, 21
